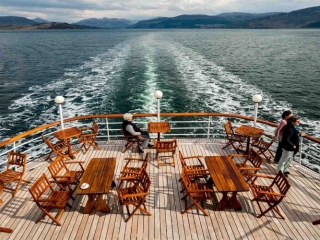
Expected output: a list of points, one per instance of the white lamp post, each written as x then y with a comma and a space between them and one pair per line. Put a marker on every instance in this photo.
256, 98
158, 94
59, 100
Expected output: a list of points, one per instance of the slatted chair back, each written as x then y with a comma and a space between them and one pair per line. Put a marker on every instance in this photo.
62, 174
197, 192
233, 138
59, 148
131, 142
88, 137
129, 170
47, 198
196, 170
263, 148
16, 167
272, 194
251, 165
166, 146
133, 191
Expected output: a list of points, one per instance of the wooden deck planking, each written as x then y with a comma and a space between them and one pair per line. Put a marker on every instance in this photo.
301, 207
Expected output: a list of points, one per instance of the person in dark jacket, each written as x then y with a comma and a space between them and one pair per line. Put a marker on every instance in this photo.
130, 128
279, 132
290, 144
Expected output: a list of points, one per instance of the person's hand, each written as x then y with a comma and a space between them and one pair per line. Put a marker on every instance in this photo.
294, 146
302, 134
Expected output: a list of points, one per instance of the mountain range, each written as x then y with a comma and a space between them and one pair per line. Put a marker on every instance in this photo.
303, 18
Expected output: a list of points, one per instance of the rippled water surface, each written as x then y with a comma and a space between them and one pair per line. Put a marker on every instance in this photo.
109, 71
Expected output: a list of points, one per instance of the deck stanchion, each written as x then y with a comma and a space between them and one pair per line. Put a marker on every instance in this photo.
256, 98
59, 100
158, 94
107, 126
208, 132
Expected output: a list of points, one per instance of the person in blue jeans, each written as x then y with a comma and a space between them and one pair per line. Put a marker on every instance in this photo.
290, 144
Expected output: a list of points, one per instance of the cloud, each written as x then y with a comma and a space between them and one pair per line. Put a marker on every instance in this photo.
75, 10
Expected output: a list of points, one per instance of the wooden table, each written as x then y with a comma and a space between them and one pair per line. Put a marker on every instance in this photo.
158, 127
66, 135
99, 175
227, 179
249, 132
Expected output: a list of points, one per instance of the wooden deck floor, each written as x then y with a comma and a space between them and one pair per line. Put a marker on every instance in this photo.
301, 207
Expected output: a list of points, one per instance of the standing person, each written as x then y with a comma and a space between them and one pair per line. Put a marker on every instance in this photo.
279, 132
290, 144
132, 129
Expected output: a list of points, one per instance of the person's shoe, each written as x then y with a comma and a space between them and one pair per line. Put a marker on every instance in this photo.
141, 150
150, 145
287, 172
287, 175
275, 162
113, 184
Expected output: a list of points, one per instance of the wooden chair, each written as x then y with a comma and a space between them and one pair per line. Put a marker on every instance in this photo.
272, 194
263, 148
61, 173
233, 138
195, 171
47, 198
88, 138
136, 170
16, 168
197, 192
165, 146
131, 142
251, 164
59, 148
1, 189
133, 191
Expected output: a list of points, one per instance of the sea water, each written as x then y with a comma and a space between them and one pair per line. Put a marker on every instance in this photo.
116, 71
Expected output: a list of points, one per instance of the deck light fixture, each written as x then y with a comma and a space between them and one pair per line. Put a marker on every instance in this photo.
256, 98
59, 100
158, 94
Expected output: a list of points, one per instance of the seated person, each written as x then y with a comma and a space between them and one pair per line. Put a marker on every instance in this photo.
130, 128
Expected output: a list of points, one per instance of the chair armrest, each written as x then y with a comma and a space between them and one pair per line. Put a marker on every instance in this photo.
126, 178
248, 168
273, 194
74, 162
237, 155
134, 159
263, 176
204, 171
192, 157
46, 200
201, 191
134, 195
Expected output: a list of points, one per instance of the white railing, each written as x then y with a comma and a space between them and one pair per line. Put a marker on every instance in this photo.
306, 160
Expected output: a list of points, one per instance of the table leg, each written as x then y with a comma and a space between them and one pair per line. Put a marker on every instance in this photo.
158, 136
102, 205
234, 203
248, 145
91, 205
229, 202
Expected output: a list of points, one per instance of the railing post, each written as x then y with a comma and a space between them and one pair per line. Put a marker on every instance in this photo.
208, 132
107, 127
14, 146
300, 150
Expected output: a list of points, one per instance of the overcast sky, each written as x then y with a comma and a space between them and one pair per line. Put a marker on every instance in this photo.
76, 10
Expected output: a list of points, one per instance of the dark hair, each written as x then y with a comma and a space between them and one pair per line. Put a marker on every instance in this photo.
286, 113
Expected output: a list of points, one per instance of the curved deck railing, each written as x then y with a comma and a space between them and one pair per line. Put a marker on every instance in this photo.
188, 125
